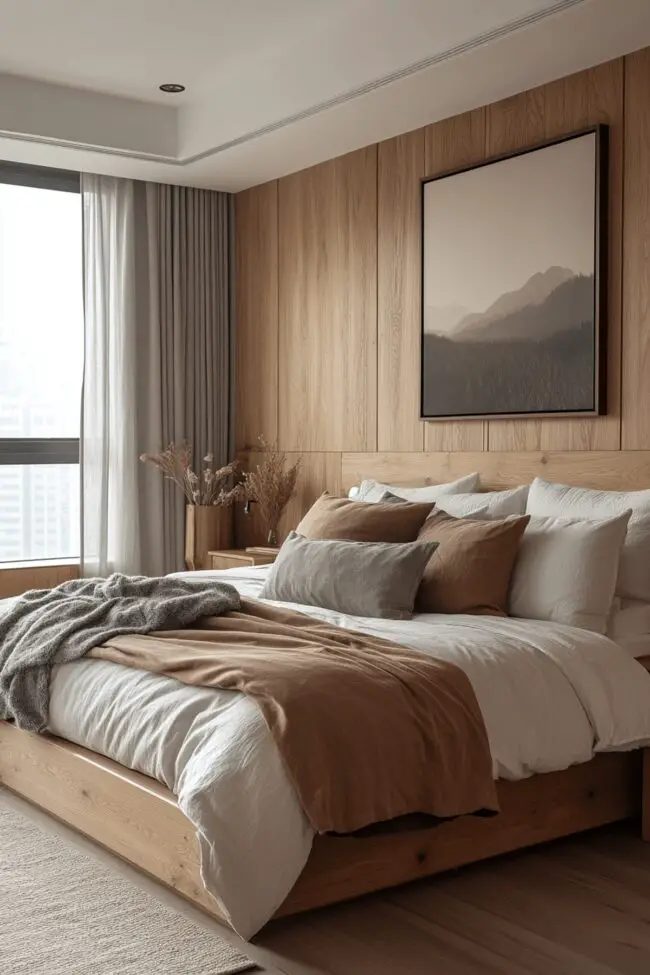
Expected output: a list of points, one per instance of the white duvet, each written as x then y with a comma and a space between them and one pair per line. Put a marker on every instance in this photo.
551, 696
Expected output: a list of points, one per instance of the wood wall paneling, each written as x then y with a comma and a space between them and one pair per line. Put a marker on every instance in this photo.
336, 251
328, 305
562, 107
400, 169
636, 250
624, 470
256, 302
452, 144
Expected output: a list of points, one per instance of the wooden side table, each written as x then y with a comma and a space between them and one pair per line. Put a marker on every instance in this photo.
237, 558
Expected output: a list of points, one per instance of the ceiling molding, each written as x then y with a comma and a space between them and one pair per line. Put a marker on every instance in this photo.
408, 71
399, 75
89, 147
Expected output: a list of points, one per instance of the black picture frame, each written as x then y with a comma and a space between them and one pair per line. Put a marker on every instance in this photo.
598, 401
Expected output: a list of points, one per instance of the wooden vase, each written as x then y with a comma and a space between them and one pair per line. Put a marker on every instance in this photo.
207, 527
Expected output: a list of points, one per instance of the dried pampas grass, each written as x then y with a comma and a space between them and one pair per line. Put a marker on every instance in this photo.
271, 485
211, 487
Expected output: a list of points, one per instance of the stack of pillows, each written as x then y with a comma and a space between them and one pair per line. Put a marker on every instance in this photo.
546, 552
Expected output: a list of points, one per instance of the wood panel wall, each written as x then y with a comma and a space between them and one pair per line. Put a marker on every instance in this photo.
328, 287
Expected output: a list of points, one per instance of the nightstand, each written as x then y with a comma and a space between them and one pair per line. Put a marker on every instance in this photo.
237, 558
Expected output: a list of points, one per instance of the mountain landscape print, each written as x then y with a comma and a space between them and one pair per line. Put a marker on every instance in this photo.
510, 286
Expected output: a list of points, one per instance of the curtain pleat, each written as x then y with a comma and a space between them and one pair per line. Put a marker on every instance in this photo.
158, 361
195, 320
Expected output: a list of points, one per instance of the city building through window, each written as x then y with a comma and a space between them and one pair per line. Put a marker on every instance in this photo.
41, 363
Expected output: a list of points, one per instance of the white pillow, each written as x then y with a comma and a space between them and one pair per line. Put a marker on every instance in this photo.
492, 504
483, 513
562, 501
372, 491
566, 570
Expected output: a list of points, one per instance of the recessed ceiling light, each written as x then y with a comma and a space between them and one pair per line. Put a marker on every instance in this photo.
172, 89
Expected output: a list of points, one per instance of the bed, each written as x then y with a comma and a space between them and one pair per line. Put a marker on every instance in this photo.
256, 852
143, 766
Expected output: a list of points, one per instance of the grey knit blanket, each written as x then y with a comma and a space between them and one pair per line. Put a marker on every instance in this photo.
59, 625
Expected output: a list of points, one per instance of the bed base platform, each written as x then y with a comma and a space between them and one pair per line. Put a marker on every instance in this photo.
138, 819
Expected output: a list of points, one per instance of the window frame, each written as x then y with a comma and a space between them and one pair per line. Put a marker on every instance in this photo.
39, 450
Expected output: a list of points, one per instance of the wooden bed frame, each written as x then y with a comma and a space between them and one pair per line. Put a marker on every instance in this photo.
139, 820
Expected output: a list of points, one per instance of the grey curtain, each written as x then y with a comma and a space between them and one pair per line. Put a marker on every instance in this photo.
157, 266
189, 238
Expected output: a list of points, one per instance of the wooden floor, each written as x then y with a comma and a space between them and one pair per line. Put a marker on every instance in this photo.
574, 907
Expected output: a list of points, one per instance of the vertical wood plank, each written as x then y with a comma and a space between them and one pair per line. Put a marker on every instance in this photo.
400, 169
590, 98
451, 144
328, 305
511, 124
636, 252
256, 298
328, 285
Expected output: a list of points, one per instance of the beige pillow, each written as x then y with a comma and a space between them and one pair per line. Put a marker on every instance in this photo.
356, 521
548, 500
470, 570
566, 570
371, 490
362, 579
499, 504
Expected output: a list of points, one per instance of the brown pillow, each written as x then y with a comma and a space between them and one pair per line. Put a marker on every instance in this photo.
470, 570
357, 521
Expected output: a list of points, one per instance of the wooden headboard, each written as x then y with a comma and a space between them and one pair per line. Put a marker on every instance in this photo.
621, 470
614, 470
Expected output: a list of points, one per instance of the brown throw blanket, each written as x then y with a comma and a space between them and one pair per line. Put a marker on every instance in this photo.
368, 730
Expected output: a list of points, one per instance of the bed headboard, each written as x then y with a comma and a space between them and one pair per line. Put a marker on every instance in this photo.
619, 470
614, 470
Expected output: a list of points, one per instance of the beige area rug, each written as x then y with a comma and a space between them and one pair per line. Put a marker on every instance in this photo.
62, 913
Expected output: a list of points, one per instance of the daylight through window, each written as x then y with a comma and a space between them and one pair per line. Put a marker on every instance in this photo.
41, 363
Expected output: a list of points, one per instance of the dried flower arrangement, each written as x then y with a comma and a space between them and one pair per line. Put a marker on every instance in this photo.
271, 485
211, 487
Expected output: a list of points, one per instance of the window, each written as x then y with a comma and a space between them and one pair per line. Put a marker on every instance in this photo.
41, 362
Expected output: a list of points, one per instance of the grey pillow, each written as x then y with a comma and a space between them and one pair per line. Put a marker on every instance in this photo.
377, 579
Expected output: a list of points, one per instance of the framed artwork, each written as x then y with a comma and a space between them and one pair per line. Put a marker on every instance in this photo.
514, 278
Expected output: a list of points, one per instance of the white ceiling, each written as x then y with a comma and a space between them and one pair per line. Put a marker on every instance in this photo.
272, 85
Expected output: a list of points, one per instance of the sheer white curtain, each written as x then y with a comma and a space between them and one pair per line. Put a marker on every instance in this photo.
117, 328
157, 364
